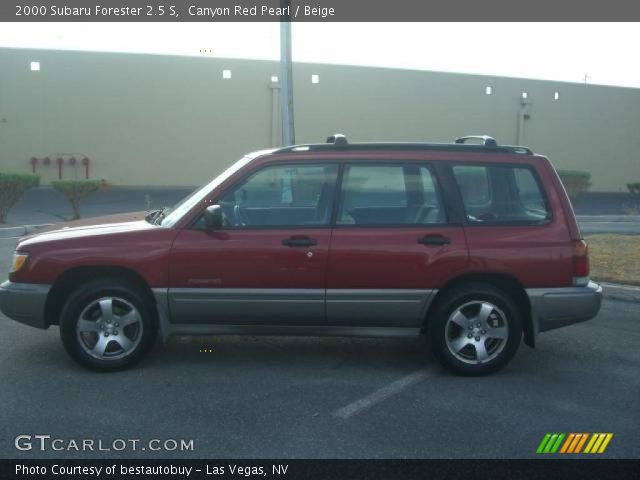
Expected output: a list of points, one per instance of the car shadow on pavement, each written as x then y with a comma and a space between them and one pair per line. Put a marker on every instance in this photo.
327, 352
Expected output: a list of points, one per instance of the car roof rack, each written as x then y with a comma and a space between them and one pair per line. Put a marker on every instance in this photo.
487, 141
339, 141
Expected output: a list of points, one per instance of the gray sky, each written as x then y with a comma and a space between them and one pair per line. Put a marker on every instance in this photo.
607, 53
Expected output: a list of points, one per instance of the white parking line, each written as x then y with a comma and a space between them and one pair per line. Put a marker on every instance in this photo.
380, 395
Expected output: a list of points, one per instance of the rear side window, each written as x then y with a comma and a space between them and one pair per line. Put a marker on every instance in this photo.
389, 195
501, 194
373, 186
474, 184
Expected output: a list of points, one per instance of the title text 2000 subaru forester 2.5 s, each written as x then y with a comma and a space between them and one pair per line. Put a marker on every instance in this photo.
475, 245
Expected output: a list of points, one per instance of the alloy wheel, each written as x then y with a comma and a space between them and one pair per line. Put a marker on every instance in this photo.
109, 328
476, 332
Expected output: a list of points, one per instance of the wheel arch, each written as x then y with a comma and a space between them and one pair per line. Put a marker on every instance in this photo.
507, 283
72, 278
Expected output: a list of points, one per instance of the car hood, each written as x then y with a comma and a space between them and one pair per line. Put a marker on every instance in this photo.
105, 225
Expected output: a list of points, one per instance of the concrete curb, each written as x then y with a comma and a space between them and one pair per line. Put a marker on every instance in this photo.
11, 232
19, 231
608, 218
617, 291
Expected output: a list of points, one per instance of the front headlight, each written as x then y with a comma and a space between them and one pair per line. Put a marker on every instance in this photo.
19, 259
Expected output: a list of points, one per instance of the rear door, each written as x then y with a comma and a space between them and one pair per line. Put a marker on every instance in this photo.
392, 245
510, 223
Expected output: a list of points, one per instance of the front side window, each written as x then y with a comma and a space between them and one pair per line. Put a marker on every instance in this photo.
501, 194
389, 195
280, 196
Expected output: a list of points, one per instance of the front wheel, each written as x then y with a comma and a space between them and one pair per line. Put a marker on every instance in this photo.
476, 330
107, 325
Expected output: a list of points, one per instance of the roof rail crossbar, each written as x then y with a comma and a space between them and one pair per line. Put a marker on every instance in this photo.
487, 141
337, 139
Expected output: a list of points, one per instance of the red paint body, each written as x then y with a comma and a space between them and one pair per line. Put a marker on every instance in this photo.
344, 258
248, 259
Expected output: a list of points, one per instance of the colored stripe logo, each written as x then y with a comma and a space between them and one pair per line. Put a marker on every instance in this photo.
574, 443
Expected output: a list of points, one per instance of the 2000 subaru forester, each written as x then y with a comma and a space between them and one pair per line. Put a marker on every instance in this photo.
475, 245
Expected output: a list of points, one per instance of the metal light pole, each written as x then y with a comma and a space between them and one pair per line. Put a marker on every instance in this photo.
286, 80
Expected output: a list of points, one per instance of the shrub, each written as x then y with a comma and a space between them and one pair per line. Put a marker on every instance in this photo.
575, 182
75, 191
12, 186
634, 187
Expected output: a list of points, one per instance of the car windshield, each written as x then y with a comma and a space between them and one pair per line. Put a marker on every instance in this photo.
175, 213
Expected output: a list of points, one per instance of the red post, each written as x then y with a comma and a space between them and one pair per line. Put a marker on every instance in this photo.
59, 161
34, 162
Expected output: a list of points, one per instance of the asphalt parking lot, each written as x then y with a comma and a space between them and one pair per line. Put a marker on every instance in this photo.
260, 397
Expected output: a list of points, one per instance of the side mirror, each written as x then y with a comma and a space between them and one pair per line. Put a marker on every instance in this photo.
213, 217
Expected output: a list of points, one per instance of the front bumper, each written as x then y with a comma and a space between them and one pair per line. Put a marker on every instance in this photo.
558, 307
24, 302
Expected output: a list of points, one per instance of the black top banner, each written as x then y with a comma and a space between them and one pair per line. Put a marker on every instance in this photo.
317, 10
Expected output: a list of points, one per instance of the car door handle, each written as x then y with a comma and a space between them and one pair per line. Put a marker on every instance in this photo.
299, 242
435, 239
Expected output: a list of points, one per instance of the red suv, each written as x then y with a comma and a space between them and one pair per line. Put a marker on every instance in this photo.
473, 244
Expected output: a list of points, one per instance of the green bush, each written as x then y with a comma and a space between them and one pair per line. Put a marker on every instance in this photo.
12, 186
634, 187
575, 182
75, 191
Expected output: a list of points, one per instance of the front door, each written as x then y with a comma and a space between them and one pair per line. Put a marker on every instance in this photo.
391, 247
267, 265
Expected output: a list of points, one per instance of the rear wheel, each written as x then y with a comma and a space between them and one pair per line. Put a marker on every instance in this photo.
475, 330
107, 325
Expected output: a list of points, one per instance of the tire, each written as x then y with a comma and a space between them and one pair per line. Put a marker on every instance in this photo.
107, 325
475, 329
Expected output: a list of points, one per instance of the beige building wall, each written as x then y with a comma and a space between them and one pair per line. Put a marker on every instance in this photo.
168, 120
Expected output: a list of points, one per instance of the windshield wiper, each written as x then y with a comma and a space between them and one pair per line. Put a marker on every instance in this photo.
159, 216
155, 216
150, 217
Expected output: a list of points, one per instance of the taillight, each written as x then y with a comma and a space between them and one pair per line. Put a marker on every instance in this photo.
581, 260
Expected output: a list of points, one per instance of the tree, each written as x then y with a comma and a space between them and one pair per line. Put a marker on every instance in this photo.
75, 191
12, 186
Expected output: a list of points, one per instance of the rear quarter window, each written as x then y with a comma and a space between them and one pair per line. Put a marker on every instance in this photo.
501, 194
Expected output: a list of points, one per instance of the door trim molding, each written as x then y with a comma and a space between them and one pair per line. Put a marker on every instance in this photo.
291, 330
404, 308
342, 308
249, 306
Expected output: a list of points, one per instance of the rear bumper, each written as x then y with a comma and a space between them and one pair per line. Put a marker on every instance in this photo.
558, 307
24, 302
